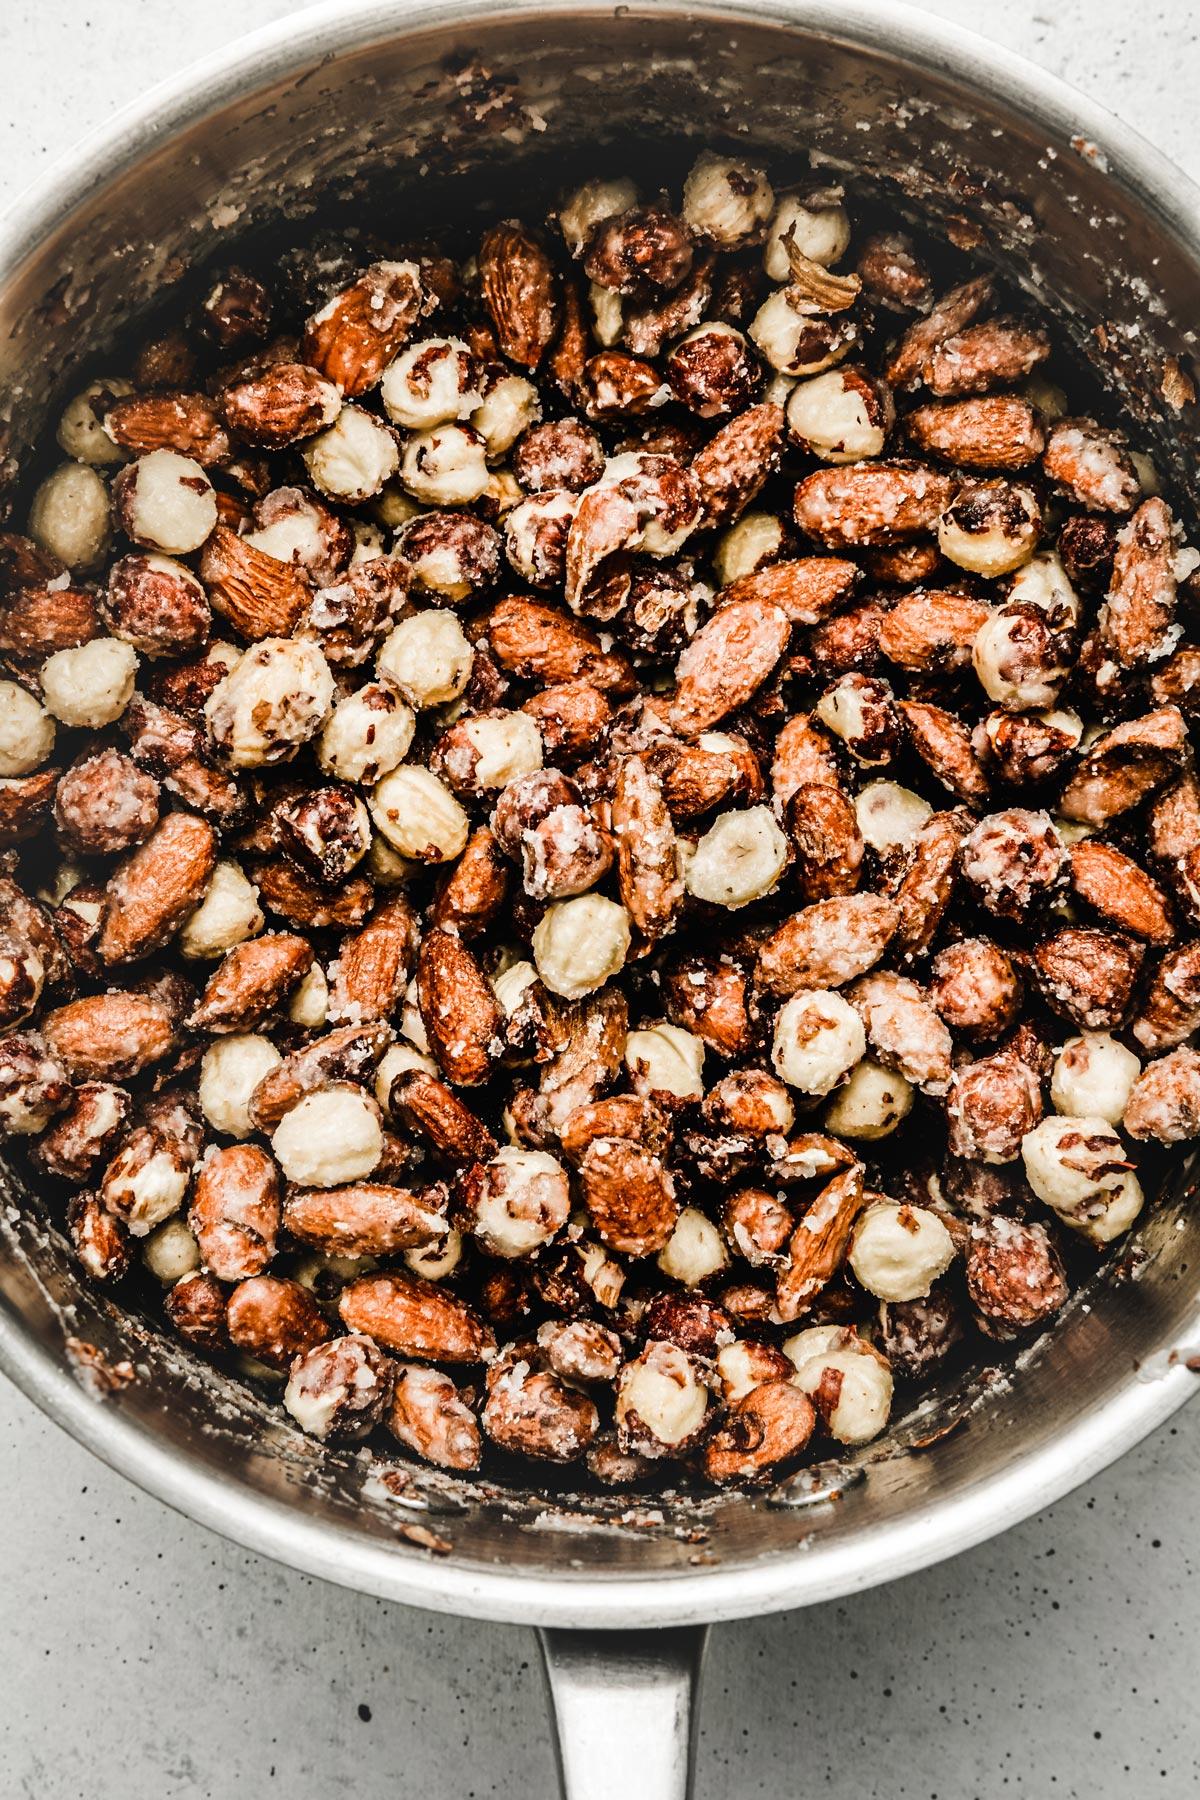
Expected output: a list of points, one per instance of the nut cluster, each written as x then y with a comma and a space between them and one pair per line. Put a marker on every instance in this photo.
600, 845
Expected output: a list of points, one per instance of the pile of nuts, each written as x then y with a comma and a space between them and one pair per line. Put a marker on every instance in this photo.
601, 854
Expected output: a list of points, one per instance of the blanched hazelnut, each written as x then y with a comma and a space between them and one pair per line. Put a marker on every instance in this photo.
165, 502
510, 405
419, 816
859, 710
81, 432
847, 1380
517, 1202
70, 516
589, 205
535, 537
694, 1250
428, 657
352, 458
434, 1262
503, 747
309, 1003
274, 701
330, 1137
432, 382
843, 416
171, 1252
666, 1060
818, 1038
898, 1252
232, 1068
608, 314
1075, 1165
26, 730
990, 527
889, 814
146, 1180
726, 200
798, 343
92, 685
818, 228
581, 943
366, 736
758, 538
662, 1404
870, 1104
1092, 1078
294, 526
1018, 659
446, 466
739, 859
228, 914
1044, 583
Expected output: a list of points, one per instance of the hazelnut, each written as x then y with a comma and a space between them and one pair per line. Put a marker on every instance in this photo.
990, 527
817, 1040
70, 516
165, 501
446, 466
428, 657
352, 458
274, 700
843, 416
432, 382
92, 685
726, 200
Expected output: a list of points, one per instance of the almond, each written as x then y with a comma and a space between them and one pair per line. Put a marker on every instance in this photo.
260, 595
347, 1054
826, 842
762, 1431
695, 779
566, 361
943, 742
38, 621
1136, 619
540, 642
354, 336
374, 965
307, 904
234, 1214
366, 1219
280, 404
932, 630
827, 943
737, 461
998, 431
1120, 891
251, 981
25, 802
460, 1012
109, 1037
429, 1106
414, 1318
871, 503
650, 883
275, 1320
1088, 975
726, 663
807, 588
629, 1196
804, 755
1093, 464
152, 891
1124, 766
993, 354
820, 1243
187, 423
948, 315
928, 883
520, 292
585, 1044
472, 894
571, 717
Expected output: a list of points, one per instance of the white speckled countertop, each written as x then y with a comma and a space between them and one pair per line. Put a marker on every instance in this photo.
144, 1659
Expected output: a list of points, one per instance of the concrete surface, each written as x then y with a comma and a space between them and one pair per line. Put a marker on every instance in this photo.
143, 1658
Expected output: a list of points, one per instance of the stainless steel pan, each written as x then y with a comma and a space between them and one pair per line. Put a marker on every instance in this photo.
412, 116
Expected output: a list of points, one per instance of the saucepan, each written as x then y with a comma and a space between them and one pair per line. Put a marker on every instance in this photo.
409, 117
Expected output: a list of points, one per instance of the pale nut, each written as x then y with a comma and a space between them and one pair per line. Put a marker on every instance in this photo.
330, 1137
694, 1251
847, 1380
428, 657
661, 1403
146, 1180
70, 516
517, 1202
990, 528
366, 736
228, 914
434, 1262
308, 1006
666, 1060
758, 538
842, 416
1092, 1077
446, 466
581, 943
889, 815
503, 748
432, 382
819, 228
1044, 583
535, 536
419, 816
739, 859
898, 1252
171, 1252
352, 458
272, 702
797, 344
726, 200
818, 1038
509, 407
232, 1068
870, 1104
1072, 1163
92, 685
81, 434
26, 730
1018, 660
165, 501
589, 206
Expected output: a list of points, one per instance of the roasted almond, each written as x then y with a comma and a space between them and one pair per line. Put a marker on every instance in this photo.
1088, 975
629, 1196
1136, 620
827, 944
948, 315
819, 1243
998, 431
374, 965
943, 742
871, 503
427, 1105
187, 423
414, 1318
280, 404
520, 292
234, 1213
37, 621
348, 1054
540, 642
737, 461
932, 629
153, 890
462, 1017
25, 803
366, 1219
260, 595
1120, 891
308, 904
807, 588
252, 980
726, 663
275, 1320
354, 336
1124, 766
109, 1037
647, 872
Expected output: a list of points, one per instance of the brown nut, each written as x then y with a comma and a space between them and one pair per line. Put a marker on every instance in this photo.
990, 1106
251, 980
827, 944
985, 356
428, 1416
662, 1403
932, 630
712, 371
374, 964
108, 1037
147, 1179
100, 1240
564, 453
944, 744
451, 555
275, 1320
152, 891
917, 1336
197, 1309
737, 461
1092, 463
357, 333
869, 503
1121, 892
572, 718
580, 1350
461, 1015
999, 431
84, 1134
647, 246
520, 291
471, 895
758, 1225
1124, 766
1015, 860
1164, 1102
278, 405
763, 1431
1137, 619
106, 804
1088, 975
340, 1390
235, 1211
629, 1196
414, 1319
819, 1244
435, 1110
1014, 1275
534, 1413
975, 988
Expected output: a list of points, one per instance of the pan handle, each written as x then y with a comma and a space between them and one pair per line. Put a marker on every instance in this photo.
624, 1705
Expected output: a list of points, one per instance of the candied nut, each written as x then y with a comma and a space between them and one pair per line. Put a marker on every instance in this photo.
868, 503
228, 914
917, 1336
797, 337
932, 630
164, 501
230, 1072
1088, 975
542, 643
709, 998
516, 1203
1093, 1076
572, 717
1027, 747
84, 1133
90, 686
944, 744
1124, 766
696, 777
989, 527
733, 466
860, 712
157, 605
726, 662
34, 1084
81, 434
629, 1196
975, 988
414, 1318
274, 700
452, 555
431, 382
804, 756
353, 458
446, 466
419, 816
252, 980
827, 944
665, 1063
1018, 659
1137, 619
428, 1416
990, 1106
329, 1137
739, 859
817, 225
1014, 860
1001, 431
106, 1037
1078, 1167
750, 1101
235, 1211
1122, 893
22, 974
764, 1430
328, 829
817, 1040
275, 1320
361, 329
37, 621
1087, 546
520, 292
640, 247
196, 1307
428, 657
898, 1252
487, 751
25, 803
532, 1411
340, 1390
189, 424
712, 371
279, 404
848, 1381
70, 516
758, 1225
580, 944
871, 1102
843, 416
292, 527
726, 200
904, 1029
1014, 1275
983, 356
236, 310
146, 1180
1093, 464
155, 887
564, 453
694, 1251
423, 1101
460, 1013
662, 1404
1164, 1100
